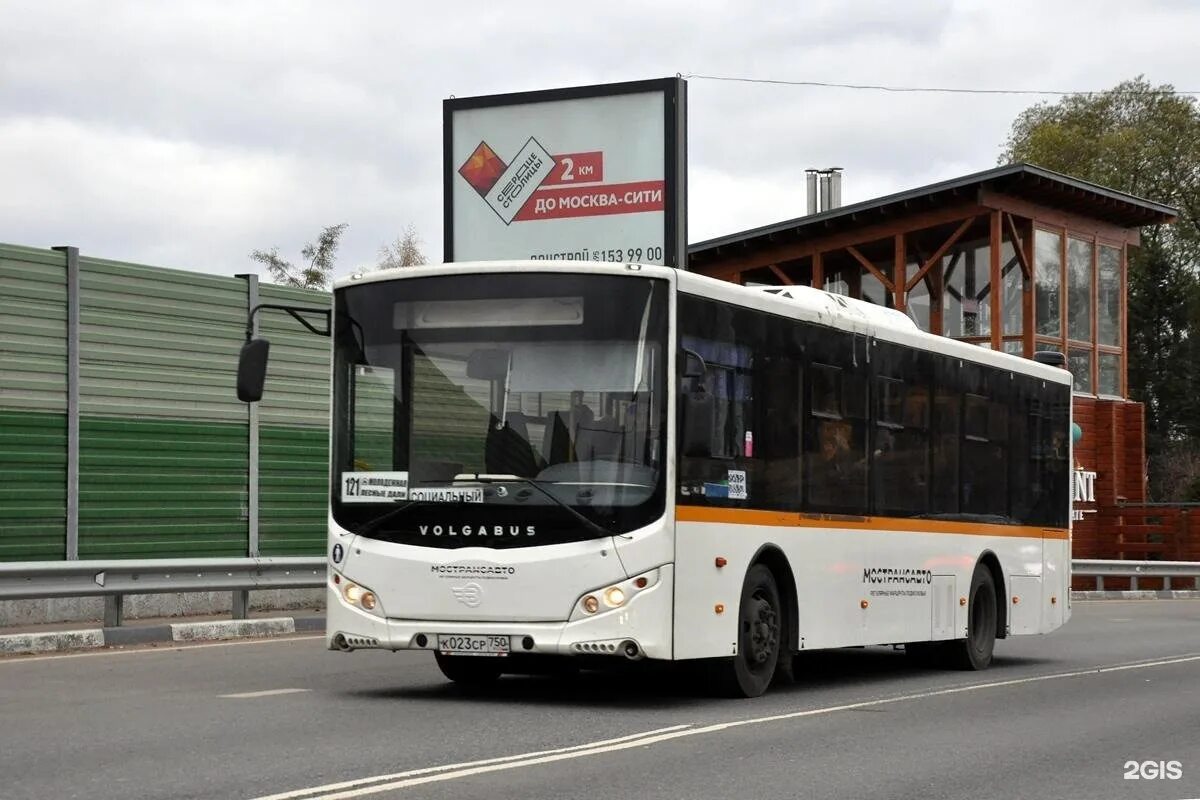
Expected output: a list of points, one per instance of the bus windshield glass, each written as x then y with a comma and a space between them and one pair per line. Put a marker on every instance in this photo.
499, 410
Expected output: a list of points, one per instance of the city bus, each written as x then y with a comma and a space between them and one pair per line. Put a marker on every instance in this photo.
538, 463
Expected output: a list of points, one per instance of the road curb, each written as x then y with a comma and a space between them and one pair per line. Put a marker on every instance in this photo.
51, 641
216, 630
231, 629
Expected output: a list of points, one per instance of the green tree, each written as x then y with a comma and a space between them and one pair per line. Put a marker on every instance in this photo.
1160, 332
1138, 138
319, 257
1144, 140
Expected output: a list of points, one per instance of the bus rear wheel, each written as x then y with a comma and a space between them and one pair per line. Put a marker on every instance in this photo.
469, 670
975, 651
760, 638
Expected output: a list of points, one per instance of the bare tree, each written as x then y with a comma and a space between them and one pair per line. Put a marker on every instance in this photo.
319, 256
404, 252
1175, 473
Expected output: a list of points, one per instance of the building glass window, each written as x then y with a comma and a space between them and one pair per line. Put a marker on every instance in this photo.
917, 301
1079, 290
966, 304
1110, 374
1012, 287
836, 284
1047, 270
1079, 361
1108, 309
873, 290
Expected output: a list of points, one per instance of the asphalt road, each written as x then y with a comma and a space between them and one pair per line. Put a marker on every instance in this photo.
1056, 717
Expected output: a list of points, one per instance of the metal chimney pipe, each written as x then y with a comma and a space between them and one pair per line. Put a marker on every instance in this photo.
835, 187
824, 192
810, 176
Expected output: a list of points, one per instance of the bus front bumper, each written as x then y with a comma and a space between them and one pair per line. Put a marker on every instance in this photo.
640, 628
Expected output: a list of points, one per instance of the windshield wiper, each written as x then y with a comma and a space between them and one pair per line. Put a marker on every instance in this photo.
593, 527
373, 523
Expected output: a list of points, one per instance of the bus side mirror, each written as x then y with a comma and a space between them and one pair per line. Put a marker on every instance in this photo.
698, 419
252, 370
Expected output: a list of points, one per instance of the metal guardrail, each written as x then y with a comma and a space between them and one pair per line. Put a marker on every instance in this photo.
1166, 570
116, 578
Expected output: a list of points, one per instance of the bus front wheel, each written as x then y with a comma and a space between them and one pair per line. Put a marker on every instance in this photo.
468, 670
760, 638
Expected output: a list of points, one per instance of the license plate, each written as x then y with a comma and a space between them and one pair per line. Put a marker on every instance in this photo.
462, 645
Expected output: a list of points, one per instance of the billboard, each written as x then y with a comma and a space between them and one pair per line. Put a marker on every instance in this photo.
591, 173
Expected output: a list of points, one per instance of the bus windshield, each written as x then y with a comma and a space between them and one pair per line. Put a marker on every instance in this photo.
500, 409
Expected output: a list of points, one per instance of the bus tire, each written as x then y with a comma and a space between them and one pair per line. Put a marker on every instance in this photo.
760, 638
975, 651
468, 670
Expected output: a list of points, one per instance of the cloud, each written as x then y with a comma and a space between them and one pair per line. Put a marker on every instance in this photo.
186, 134
177, 203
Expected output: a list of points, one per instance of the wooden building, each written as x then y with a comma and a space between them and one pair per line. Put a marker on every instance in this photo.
1016, 258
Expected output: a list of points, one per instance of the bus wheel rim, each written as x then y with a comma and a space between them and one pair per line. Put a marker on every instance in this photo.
763, 626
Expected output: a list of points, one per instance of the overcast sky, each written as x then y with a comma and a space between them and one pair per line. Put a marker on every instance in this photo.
185, 134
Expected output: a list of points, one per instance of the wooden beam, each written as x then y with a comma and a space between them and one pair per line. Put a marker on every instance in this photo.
871, 268
822, 242
937, 254
996, 239
818, 271
781, 275
1076, 222
1018, 247
1124, 342
898, 267
937, 292
1027, 293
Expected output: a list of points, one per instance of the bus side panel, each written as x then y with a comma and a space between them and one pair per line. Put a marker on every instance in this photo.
1056, 587
827, 568
699, 631
864, 585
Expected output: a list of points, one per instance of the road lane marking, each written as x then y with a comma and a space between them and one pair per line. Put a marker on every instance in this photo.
347, 790
358, 782
264, 693
174, 648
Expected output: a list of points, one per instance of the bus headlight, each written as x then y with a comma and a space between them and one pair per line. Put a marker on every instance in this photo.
616, 595
360, 596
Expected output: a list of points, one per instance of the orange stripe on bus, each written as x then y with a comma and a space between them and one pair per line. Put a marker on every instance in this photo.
791, 519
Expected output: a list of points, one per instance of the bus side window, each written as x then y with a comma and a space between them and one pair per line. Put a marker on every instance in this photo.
947, 413
835, 457
725, 337
900, 455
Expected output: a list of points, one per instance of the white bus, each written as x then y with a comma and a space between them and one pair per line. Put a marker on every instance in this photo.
547, 461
